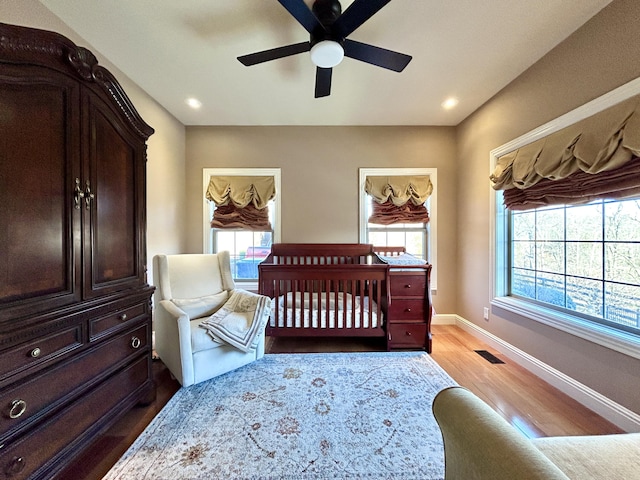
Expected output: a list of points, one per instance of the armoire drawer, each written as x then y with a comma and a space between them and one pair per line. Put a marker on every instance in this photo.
408, 285
32, 398
98, 327
34, 352
406, 309
407, 335
22, 459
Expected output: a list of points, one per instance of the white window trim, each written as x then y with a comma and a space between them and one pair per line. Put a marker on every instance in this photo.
617, 340
207, 173
432, 237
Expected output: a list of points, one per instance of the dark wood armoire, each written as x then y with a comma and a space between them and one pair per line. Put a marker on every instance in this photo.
75, 326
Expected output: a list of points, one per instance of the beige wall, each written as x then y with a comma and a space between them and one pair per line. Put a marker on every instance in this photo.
166, 147
599, 57
320, 179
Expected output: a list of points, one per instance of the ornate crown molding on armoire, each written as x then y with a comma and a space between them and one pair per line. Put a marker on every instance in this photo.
75, 321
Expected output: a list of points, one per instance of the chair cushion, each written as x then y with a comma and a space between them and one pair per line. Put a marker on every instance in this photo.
201, 306
200, 339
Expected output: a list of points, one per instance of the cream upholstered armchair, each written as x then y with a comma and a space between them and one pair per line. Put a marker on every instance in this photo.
190, 288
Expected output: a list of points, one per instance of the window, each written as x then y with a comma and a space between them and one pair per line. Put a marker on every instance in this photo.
581, 259
412, 236
576, 268
247, 247
419, 239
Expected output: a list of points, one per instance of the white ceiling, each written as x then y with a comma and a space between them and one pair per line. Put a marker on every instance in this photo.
176, 49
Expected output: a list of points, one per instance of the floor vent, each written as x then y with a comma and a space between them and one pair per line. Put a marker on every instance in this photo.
490, 357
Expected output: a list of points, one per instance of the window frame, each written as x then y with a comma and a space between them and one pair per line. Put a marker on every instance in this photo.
207, 173
618, 340
432, 204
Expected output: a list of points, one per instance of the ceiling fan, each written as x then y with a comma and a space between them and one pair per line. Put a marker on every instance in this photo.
329, 29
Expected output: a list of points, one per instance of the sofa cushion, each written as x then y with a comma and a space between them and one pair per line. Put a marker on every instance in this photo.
201, 306
594, 456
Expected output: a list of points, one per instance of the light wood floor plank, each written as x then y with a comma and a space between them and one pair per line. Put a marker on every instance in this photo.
526, 401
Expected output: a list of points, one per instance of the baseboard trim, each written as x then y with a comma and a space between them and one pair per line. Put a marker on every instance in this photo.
617, 414
446, 319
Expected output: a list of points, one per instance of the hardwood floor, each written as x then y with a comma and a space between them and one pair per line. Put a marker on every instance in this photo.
530, 404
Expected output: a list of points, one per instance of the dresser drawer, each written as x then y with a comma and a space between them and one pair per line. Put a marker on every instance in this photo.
31, 399
408, 285
100, 326
37, 351
406, 309
20, 460
407, 335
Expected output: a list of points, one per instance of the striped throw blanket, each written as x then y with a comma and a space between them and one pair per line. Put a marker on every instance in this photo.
240, 320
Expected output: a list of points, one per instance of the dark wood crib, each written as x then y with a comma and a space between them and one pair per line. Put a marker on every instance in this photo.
329, 290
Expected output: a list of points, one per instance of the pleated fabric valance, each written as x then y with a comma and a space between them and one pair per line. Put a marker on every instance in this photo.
241, 191
241, 202
399, 199
399, 189
579, 188
582, 152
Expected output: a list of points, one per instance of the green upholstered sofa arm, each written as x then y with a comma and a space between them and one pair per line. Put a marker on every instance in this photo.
480, 444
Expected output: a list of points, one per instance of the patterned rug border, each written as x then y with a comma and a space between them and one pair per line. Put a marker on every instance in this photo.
386, 428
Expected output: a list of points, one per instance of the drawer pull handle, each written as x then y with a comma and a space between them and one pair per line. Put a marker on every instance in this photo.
408, 334
407, 310
123, 317
15, 467
135, 342
408, 285
35, 353
18, 407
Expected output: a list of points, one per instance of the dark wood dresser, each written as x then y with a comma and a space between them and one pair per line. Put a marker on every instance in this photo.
75, 326
408, 312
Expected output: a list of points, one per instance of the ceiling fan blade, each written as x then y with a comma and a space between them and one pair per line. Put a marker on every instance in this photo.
323, 82
299, 10
355, 15
274, 53
380, 57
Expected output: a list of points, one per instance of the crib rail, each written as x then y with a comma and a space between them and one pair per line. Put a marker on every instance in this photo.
320, 254
334, 299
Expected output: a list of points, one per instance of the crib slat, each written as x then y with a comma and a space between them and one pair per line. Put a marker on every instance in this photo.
276, 294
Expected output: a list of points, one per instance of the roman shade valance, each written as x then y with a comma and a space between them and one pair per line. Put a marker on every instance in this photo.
241, 201
398, 199
241, 191
576, 164
399, 189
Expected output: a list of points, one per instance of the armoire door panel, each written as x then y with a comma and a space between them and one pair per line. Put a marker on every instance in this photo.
113, 227
72, 252
38, 163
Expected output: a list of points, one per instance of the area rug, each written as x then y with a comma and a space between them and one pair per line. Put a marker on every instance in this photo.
299, 416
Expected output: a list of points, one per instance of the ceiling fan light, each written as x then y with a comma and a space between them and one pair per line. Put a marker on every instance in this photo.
327, 54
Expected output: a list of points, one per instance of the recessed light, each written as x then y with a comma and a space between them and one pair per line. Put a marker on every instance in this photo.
193, 103
449, 103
